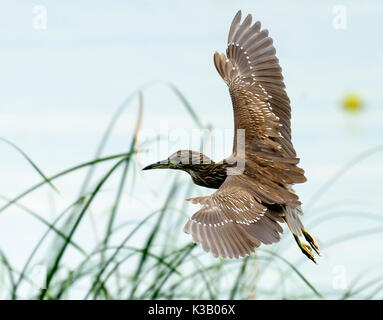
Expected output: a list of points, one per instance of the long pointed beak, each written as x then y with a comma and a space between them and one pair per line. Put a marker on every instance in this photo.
157, 165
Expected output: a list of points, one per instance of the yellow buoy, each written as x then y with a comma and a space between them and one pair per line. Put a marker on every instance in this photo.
352, 103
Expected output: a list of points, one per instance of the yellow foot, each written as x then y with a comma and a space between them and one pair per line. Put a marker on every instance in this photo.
306, 249
311, 241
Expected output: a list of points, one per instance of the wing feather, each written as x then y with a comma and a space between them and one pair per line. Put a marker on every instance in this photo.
261, 107
232, 223
248, 208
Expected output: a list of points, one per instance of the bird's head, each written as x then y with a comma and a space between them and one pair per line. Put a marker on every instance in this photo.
183, 159
203, 171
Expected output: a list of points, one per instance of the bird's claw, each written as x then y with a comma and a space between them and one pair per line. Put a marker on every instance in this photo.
311, 241
305, 248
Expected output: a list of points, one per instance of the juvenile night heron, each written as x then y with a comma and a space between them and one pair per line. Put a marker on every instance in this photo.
251, 202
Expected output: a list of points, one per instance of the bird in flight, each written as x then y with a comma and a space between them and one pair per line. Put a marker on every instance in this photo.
254, 185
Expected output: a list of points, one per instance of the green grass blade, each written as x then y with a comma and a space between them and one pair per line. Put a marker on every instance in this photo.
63, 173
39, 171
341, 172
308, 283
54, 268
241, 273
151, 237
40, 242
187, 105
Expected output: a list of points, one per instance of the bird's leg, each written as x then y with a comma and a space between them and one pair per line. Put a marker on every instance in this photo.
311, 241
306, 249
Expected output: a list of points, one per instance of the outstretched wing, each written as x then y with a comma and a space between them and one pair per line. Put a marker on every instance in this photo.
261, 107
232, 223
247, 209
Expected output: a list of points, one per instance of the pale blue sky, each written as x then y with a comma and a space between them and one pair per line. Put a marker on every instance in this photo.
60, 86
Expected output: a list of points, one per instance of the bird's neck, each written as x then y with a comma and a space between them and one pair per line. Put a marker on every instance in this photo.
209, 175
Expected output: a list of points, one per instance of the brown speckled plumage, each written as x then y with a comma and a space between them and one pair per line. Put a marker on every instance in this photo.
248, 208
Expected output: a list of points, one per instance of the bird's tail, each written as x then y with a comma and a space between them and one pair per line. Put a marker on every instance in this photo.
292, 218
